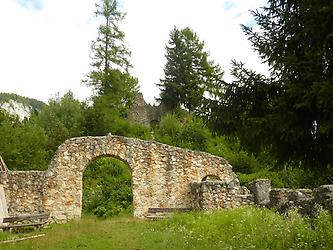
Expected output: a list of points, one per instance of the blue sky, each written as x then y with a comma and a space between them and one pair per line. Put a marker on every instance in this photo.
228, 5
31, 4
45, 44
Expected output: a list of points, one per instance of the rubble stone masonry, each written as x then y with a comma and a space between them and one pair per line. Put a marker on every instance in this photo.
161, 177
23, 191
306, 201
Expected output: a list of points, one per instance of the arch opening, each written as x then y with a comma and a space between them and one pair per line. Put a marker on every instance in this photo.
107, 187
211, 178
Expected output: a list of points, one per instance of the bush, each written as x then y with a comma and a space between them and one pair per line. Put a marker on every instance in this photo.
107, 188
240, 160
183, 130
23, 144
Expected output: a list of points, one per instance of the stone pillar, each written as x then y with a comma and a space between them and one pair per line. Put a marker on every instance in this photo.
3, 204
260, 189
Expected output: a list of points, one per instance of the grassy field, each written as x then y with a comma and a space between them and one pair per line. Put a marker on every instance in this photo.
246, 228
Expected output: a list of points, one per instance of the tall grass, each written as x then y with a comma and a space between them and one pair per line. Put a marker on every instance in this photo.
245, 228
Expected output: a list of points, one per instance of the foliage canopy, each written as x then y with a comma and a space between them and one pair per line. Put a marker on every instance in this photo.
289, 113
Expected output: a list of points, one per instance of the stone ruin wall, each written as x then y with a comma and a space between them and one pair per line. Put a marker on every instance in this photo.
160, 173
306, 201
23, 191
26, 193
161, 177
215, 195
143, 113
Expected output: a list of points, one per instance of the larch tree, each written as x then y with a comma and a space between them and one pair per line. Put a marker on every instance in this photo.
110, 75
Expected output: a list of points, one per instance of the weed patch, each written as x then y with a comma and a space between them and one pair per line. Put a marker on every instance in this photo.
244, 228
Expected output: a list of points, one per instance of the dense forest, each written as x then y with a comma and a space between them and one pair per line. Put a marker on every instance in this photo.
278, 126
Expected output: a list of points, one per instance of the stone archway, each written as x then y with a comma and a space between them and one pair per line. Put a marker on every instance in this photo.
63, 183
161, 174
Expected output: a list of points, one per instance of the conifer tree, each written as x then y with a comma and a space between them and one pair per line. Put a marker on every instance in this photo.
110, 59
189, 75
289, 113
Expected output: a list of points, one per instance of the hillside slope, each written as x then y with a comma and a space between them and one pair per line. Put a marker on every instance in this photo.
19, 105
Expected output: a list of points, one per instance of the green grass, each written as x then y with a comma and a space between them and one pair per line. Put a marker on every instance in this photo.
246, 228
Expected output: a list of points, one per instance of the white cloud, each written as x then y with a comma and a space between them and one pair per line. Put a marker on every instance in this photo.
46, 50
149, 23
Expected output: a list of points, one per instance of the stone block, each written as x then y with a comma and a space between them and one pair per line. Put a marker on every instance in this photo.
300, 194
261, 191
323, 192
323, 195
278, 197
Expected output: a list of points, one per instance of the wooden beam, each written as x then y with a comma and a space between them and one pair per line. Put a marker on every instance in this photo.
35, 224
3, 166
21, 239
26, 217
168, 209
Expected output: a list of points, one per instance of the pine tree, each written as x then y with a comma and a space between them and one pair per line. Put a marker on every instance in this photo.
189, 75
290, 112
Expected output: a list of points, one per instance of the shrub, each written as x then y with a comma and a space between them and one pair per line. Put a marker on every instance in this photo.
107, 188
183, 130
